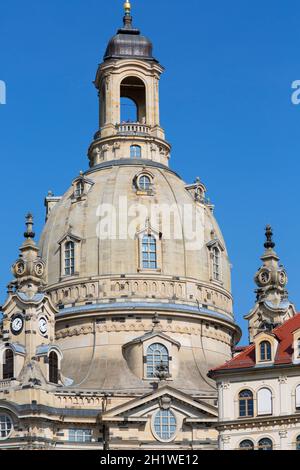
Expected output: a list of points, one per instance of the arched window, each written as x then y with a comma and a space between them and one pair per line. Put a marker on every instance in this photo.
144, 183
246, 445
8, 364
165, 425
157, 354
216, 264
265, 444
135, 151
5, 426
246, 404
264, 402
298, 443
53, 368
133, 100
265, 351
79, 188
69, 258
149, 252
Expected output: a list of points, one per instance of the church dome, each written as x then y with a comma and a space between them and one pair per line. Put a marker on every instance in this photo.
130, 241
185, 270
129, 43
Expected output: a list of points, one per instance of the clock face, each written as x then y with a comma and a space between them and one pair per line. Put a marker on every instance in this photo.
43, 326
282, 278
264, 277
17, 325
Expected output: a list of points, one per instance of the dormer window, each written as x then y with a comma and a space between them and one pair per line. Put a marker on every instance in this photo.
216, 264
135, 152
79, 188
144, 183
149, 252
157, 354
265, 349
70, 250
70, 258
215, 249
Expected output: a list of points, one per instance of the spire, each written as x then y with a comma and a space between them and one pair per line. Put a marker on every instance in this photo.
29, 269
269, 244
271, 277
29, 224
127, 17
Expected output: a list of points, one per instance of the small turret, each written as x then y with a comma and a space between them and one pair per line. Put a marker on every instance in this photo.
272, 304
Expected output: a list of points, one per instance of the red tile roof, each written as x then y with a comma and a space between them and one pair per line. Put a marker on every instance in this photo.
284, 354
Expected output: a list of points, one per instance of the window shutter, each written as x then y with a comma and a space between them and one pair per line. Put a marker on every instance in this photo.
264, 402
298, 397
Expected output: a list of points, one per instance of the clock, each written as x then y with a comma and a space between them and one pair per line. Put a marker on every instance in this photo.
17, 324
264, 277
43, 326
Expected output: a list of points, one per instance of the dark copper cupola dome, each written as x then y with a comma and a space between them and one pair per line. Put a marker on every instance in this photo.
128, 42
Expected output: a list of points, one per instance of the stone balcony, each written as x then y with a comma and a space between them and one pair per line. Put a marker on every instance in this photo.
132, 128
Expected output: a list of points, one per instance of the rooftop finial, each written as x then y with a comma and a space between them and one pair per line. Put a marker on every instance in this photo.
29, 224
127, 8
127, 17
269, 244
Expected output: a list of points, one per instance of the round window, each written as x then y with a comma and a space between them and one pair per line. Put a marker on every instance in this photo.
5, 426
165, 425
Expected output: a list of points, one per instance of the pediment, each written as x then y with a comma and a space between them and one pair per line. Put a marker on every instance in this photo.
139, 409
215, 243
69, 236
152, 335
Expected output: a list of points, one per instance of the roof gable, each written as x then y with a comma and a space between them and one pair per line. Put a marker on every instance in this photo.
138, 409
284, 354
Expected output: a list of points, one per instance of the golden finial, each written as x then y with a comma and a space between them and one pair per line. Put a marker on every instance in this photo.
127, 7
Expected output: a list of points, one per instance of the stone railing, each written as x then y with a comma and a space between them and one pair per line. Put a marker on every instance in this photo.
112, 288
4, 384
132, 128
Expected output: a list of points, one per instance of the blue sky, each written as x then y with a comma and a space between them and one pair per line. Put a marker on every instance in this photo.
225, 104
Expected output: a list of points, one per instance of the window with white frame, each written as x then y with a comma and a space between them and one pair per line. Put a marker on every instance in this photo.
144, 183
246, 404
149, 252
216, 263
298, 347
264, 402
165, 425
79, 188
265, 349
80, 435
157, 354
69, 258
5, 426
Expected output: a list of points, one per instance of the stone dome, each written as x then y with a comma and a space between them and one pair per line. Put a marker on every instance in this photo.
110, 289
106, 186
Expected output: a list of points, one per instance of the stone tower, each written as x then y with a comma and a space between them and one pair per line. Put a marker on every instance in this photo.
272, 306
